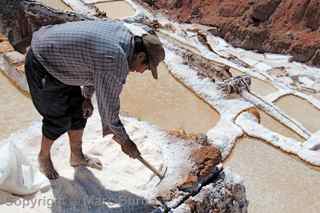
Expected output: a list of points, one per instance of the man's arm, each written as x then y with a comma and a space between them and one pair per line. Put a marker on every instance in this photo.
108, 89
107, 93
109, 107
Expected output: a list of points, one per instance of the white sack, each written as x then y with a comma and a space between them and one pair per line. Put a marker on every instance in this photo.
17, 175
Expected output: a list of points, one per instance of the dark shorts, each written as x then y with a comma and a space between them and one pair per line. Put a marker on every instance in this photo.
59, 104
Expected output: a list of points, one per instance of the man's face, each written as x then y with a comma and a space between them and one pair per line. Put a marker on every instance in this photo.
141, 68
140, 63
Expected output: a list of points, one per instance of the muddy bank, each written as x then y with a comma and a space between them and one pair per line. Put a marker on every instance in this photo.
287, 26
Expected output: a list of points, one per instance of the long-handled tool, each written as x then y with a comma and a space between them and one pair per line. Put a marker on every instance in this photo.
154, 170
147, 164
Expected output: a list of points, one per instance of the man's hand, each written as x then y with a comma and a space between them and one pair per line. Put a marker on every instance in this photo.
87, 108
130, 148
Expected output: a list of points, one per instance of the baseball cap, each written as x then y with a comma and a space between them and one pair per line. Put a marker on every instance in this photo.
155, 52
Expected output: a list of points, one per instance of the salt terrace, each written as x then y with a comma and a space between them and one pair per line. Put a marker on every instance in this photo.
183, 123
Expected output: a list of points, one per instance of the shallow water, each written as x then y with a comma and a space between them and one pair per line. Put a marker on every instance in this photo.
301, 110
116, 9
275, 181
275, 126
258, 86
17, 110
166, 103
56, 4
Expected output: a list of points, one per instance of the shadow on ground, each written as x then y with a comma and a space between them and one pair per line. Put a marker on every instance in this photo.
87, 194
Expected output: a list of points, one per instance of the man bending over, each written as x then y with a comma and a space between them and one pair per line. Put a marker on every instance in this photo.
94, 55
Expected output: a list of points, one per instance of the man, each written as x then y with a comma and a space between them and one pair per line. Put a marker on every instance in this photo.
96, 55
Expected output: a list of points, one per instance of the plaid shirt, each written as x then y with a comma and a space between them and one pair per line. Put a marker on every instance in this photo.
92, 54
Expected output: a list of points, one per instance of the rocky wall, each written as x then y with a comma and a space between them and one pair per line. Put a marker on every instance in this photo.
20, 18
277, 26
12, 64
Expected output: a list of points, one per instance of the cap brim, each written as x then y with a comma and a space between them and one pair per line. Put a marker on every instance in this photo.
154, 71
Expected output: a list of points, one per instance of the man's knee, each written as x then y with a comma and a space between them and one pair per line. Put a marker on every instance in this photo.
78, 123
53, 128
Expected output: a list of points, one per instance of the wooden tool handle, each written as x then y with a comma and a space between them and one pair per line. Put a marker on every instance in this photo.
149, 166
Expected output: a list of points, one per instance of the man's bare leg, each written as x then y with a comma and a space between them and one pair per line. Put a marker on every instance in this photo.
77, 157
44, 159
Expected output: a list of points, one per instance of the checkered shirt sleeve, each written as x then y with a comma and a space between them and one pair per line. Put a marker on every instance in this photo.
108, 89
